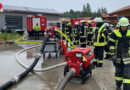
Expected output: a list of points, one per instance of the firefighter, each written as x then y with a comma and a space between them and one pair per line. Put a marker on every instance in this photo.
99, 41
83, 34
63, 27
37, 31
90, 33
75, 33
68, 30
108, 54
120, 49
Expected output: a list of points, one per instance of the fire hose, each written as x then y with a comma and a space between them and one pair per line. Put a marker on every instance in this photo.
44, 69
18, 41
22, 75
71, 73
36, 70
63, 82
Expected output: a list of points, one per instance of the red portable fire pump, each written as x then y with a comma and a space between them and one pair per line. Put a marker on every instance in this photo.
81, 60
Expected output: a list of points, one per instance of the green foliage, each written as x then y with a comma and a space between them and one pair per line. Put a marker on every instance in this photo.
86, 12
11, 36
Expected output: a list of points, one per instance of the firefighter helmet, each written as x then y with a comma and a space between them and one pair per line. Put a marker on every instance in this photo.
63, 20
82, 21
124, 21
106, 24
98, 19
69, 24
76, 23
89, 22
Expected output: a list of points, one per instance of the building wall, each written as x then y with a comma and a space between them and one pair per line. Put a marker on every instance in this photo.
123, 13
24, 16
2, 20
52, 17
114, 19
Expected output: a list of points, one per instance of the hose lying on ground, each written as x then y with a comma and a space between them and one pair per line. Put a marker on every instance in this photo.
63, 82
44, 69
18, 41
37, 70
22, 75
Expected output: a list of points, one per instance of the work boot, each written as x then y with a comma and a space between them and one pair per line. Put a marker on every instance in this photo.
99, 65
107, 56
88, 43
95, 63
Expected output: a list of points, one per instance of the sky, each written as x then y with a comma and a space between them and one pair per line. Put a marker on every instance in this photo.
66, 5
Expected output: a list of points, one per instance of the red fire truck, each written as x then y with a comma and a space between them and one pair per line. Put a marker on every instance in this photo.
32, 21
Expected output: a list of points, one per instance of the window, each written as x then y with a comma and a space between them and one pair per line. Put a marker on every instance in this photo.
11, 20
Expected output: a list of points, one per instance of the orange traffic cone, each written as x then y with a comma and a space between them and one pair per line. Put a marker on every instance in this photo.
7, 40
1, 42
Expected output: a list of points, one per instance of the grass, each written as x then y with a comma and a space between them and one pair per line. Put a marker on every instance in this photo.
11, 36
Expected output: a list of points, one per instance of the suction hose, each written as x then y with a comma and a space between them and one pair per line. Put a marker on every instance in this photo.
22, 75
63, 82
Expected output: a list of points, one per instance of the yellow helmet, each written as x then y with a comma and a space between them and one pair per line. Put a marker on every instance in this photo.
69, 23
89, 22
63, 20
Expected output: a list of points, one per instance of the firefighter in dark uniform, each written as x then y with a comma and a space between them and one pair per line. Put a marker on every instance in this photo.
99, 41
108, 54
78, 29
75, 33
83, 34
90, 33
120, 49
68, 30
63, 27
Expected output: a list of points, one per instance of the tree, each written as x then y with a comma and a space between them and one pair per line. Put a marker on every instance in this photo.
99, 12
86, 12
103, 10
